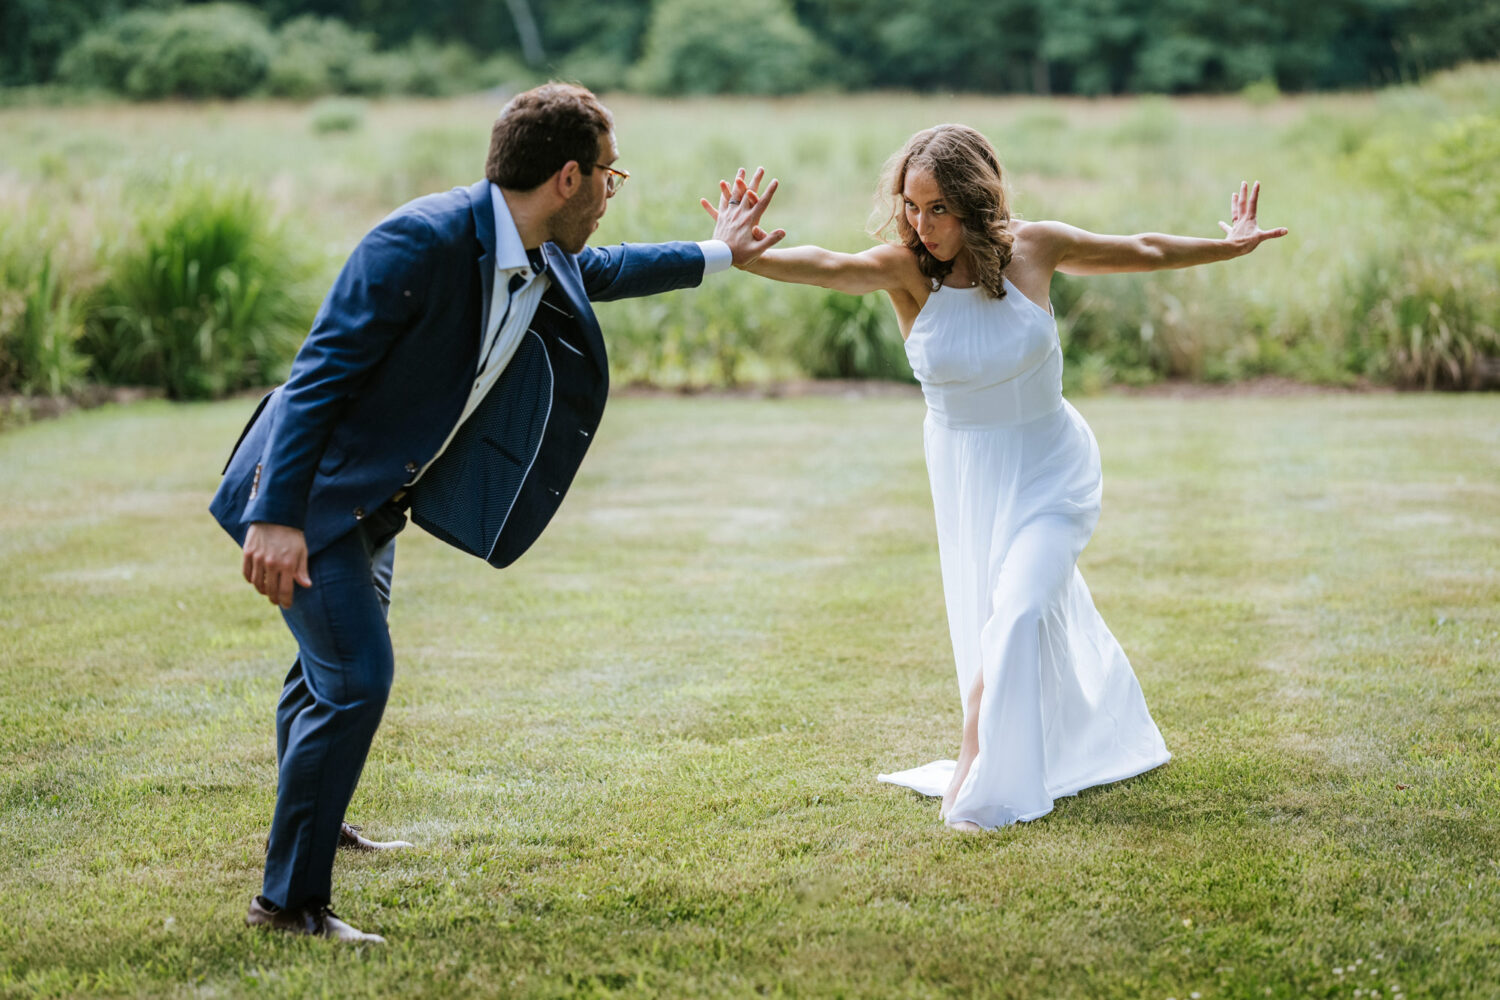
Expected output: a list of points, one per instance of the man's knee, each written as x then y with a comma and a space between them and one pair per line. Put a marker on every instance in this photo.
367, 688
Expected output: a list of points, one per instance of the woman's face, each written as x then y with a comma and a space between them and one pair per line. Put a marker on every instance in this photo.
927, 213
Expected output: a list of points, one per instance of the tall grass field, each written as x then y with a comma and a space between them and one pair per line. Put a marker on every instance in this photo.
1389, 274
641, 762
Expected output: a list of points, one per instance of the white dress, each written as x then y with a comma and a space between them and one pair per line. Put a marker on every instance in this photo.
1015, 486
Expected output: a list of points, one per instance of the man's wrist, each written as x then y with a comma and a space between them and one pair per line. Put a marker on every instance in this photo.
716, 256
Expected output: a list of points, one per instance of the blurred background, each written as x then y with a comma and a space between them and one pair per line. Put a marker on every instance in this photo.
179, 182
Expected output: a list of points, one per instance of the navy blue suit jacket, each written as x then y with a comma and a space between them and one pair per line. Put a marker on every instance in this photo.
384, 374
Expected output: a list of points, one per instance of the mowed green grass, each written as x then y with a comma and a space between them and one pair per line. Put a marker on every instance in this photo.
642, 761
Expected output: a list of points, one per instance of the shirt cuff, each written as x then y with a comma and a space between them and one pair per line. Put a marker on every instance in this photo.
716, 256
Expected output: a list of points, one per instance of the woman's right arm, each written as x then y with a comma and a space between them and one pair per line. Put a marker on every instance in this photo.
881, 268
876, 269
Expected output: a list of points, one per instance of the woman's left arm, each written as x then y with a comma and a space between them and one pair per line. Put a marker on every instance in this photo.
1077, 251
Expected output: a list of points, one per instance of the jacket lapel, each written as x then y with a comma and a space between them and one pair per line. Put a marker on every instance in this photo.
484, 230
564, 272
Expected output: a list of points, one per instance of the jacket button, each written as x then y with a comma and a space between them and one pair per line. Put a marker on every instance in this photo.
359, 513
411, 466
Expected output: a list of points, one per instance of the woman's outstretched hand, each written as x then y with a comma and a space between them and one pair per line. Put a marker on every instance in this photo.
1242, 229
737, 217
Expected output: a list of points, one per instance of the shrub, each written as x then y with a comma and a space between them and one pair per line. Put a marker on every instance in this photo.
104, 57
214, 50
706, 47
431, 70
852, 336
212, 297
39, 330
1432, 319
45, 277
337, 115
317, 56
596, 68
1261, 93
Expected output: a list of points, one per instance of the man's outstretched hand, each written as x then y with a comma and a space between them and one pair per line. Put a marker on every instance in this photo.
275, 560
737, 217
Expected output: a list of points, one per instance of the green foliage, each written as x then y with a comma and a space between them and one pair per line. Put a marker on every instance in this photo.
706, 47
39, 329
104, 57
1261, 93
597, 69
211, 297
778, 46
1389, 273
44, 282
1432, 319
213, 50
852, 336
1428, 325
317, 56
591, 42
35, 33
337, 115
727, 335
428, 69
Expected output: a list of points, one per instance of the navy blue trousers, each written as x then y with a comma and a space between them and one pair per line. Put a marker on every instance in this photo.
331, 704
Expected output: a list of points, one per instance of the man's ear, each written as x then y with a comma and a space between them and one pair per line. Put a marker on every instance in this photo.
568, 178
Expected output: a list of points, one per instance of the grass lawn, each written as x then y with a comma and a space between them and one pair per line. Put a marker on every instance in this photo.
642, 761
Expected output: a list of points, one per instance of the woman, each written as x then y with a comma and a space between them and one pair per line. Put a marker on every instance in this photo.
1050, 703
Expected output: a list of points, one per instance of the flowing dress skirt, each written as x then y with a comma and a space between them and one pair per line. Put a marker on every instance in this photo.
1061, 709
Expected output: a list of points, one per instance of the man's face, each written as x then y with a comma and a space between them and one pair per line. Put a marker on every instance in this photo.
575, 222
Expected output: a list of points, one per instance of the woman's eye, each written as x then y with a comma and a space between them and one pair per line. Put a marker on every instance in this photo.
939, 210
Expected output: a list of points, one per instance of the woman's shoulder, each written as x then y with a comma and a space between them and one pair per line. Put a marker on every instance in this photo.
892, 255
899, 264
1042, 234
1036, 230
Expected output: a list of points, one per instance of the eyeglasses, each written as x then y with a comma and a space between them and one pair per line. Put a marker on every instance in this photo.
613, 179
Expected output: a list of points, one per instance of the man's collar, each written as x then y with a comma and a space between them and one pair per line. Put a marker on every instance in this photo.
509, 253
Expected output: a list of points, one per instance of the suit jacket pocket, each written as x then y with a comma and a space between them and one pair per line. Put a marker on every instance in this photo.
259, 408
333, 458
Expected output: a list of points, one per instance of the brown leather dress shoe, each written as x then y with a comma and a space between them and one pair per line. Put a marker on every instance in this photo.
349, 838
314, 921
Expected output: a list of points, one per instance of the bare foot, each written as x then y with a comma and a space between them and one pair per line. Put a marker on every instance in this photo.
968, 747
965, 759
964, 826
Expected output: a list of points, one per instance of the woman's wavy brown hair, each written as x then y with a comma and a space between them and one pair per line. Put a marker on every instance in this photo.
967, 171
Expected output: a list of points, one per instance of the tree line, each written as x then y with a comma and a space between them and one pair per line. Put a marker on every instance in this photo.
1087, 47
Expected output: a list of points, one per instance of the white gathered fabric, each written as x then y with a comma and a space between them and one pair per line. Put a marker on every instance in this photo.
1016, 486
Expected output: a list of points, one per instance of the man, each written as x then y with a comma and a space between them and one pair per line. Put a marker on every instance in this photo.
455, 369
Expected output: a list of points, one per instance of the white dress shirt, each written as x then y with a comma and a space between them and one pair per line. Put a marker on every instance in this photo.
510, 316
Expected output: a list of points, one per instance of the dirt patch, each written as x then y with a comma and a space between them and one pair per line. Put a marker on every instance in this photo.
16, 409
1269, 385
790, 389
1272, 386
